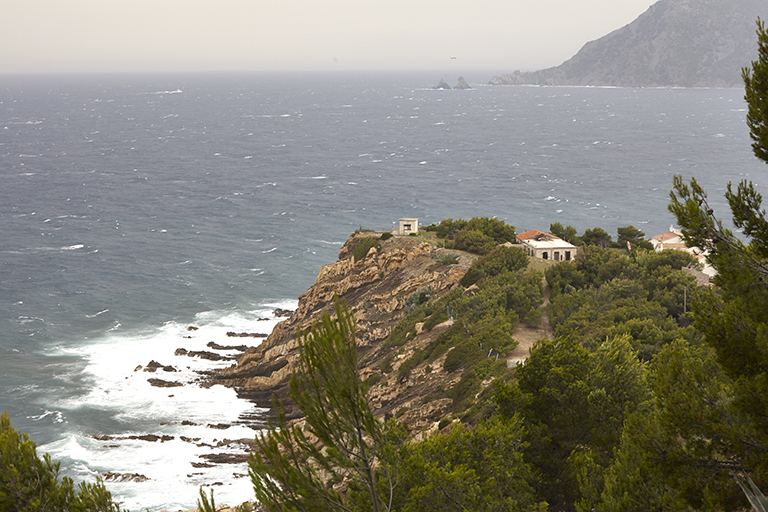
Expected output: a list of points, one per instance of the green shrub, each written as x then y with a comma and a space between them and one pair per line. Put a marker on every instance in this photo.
446, 340
468, 386
409, 364
435, 318
494, 333
31, 484
503, 259
418, 298
362, 247
386, 363
533, 318
463, 355
473, 241
386, 235
448, 259
472, 276
361, 230
484, 369
406, 328
497, 230
373, 379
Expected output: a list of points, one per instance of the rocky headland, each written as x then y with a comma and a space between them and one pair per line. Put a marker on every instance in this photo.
675, 43
376, 288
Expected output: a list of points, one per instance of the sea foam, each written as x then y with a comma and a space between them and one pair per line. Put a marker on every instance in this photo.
192, 421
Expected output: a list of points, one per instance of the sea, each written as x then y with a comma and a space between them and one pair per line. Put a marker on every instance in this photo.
133, 207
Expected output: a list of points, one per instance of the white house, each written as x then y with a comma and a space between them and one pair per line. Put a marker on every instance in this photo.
673, 239
407, 226
546, 246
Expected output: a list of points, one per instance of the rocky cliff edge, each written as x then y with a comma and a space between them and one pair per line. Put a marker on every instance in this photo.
376, 288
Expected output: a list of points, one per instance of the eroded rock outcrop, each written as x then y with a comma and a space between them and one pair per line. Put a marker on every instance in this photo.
376, 288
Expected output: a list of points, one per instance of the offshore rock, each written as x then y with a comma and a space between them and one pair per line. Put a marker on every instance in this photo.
111, 476
376, 289
249, 334
462, 84
239, 348
160, 383
442, 84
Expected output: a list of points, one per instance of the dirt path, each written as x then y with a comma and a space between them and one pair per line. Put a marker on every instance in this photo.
528, 336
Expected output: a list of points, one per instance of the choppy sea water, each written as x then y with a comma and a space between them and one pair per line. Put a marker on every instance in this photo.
132, 207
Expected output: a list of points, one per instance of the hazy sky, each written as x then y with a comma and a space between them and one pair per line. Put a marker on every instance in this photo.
249, 35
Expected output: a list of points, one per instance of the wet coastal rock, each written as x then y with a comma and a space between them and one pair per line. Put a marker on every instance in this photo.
111, 476
160, 383
247, 334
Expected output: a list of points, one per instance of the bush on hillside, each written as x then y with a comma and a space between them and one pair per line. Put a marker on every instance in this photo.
503, 259
29, 483
362, 247
478, 235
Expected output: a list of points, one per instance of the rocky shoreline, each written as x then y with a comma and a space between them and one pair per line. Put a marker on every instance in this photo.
376, 288
222, 450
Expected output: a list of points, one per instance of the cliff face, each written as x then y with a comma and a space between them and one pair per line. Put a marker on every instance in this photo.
376, 288
675, 43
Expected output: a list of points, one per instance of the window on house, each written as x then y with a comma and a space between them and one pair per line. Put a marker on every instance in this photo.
557, 256
545, 255
567, 255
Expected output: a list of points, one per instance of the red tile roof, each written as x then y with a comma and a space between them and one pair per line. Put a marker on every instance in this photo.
534, 233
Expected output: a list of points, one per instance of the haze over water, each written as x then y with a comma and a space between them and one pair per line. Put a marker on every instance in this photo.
135, 206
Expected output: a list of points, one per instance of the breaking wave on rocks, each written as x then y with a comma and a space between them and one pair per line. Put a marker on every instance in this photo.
149, 423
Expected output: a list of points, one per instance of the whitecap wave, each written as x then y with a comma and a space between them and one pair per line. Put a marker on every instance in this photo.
177, 91
194, 419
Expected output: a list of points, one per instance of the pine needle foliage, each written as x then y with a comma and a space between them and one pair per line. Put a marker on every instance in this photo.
29, 483
756, 95
341, 444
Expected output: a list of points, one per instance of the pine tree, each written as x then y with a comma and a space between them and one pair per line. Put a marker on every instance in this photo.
734, 316
341, 444
756, 85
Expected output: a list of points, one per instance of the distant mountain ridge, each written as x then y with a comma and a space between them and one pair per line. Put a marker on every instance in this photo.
675, 43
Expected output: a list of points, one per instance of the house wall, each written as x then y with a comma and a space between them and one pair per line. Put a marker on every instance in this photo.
552, 253
408, 226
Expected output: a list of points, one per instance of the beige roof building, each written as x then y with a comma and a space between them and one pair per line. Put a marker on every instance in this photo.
546, 246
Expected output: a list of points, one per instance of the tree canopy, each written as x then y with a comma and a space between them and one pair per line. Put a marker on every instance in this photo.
734, 316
